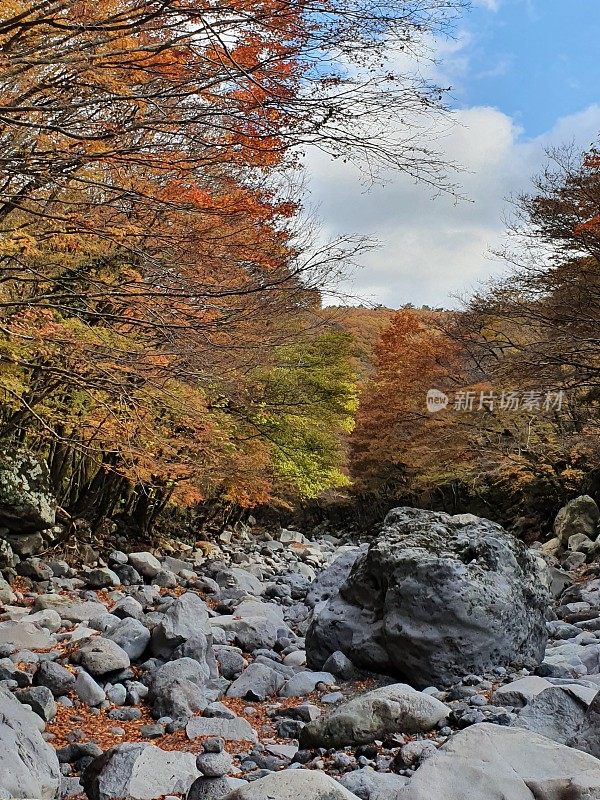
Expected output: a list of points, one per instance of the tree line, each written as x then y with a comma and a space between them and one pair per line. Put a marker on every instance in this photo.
161, 337
519, 364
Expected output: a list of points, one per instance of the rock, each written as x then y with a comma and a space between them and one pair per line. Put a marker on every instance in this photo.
231, 661
7, 557
26, 503
519, 693
127, 608
435, 598
303, 683
48, 619
587, 737
293, 784
554, 713
580, 515
25, 544
145, 563
340, 665
7, 595
256, 683
70, 610
101, 578
184, 618
35, 569
56, 678
367, 784
255, 625
209, 789
214, 765
178, 689
132, 637
100, 656
25, 635
28, 766
488, 761
240, 579
328, 582
374, 715
87, 690
232, 730
415, 752
139, 771
40, 699
295, 659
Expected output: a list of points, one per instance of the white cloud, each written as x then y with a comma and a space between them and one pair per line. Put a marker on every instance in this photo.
491, 5
433, 248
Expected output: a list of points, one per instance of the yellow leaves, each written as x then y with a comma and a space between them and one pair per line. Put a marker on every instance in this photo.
17, 243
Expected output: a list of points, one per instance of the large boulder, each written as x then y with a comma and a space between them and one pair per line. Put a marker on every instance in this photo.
100, 656
26, 502
293, 784
434, 598
28, 766
375, 715
587, 737
183, 619
555, 712
491, 762
331, 578
579, 516
138, 771
178, 689
254, 625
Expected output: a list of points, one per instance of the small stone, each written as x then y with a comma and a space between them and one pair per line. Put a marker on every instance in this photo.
214, 765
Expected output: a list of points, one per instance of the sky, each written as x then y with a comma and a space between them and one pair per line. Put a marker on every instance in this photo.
525, 76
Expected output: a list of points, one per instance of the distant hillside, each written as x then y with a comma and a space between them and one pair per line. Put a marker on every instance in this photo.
365, 325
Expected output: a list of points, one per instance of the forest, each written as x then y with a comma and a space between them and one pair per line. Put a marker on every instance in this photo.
164, 343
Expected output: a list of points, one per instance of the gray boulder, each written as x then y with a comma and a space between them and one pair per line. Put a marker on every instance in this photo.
391, 709
580, 515
132, 637
330, 579
520, 692
232, 730
305, 682
26, 503
230, 659
256, 683
139, 772
56, 678
434, 598
28, 766
100, 656
7, 596
40, 699
70, 610
292, 784
555, 713
25, 635
488, 761
587, 736
370, 785
179, 689
182, 620
253, 625
145, 563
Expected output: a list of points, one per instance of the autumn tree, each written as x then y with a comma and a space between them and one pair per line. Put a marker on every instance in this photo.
536, 331
396, 438
152, 258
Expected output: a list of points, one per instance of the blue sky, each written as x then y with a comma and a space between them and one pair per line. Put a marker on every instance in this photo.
536, 60
525, 76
